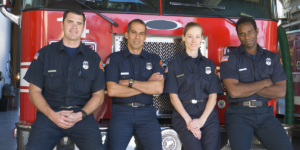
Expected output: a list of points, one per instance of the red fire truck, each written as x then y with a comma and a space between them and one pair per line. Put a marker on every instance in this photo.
106, 24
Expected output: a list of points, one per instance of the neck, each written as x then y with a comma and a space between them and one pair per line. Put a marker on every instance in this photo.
71, 44
135, 51
192, 53
252, 50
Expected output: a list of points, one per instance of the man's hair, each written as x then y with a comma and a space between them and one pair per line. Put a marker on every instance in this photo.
245, 20
137, 21
74, 11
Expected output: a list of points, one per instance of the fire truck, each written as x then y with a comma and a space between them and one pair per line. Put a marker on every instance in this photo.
106, 24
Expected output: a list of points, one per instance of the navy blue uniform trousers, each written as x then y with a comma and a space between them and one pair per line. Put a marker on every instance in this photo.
45, 135
210, 132
242, 122
127, 120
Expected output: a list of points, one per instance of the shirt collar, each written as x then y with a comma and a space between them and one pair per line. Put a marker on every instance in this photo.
242, 49
127, 53
184, 55
80, 48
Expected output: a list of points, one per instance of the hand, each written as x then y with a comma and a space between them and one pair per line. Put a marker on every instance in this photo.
268, 82
124, 82
156, 77
197, 133
74, 117
196, 124
60, 120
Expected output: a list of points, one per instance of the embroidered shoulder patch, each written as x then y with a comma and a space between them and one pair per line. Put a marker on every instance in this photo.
225, 58
107, 61
101, 66
161, 64
36, 56
166, 69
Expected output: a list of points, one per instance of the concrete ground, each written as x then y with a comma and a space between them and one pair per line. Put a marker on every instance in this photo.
9, 118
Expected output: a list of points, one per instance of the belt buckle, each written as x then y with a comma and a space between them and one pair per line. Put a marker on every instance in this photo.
132, 104
194, 101
69, 107
250, 102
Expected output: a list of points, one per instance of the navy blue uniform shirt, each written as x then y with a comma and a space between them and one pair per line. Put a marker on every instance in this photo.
192, 81
240, 65
66, 81
122, 65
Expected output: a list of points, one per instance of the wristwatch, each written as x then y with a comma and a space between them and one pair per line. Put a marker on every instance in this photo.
84, 115
130, 82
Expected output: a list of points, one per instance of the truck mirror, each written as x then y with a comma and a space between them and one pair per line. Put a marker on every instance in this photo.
6, 3
2, 3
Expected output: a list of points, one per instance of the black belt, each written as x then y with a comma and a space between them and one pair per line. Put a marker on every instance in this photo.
251, 103
134, 104
193, 101
69, 107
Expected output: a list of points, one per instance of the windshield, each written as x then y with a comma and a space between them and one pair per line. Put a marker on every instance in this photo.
233, 8
143, 6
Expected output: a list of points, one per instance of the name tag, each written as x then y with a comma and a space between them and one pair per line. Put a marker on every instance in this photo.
124, 73
180, 75
51, 70
243, 69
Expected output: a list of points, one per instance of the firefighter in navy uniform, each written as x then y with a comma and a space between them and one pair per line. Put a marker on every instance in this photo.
133, 76
62, 78
252, 77
193, 85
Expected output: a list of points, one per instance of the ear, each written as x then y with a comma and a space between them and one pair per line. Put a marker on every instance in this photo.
257, 31
126, 35
62, 25
183, 38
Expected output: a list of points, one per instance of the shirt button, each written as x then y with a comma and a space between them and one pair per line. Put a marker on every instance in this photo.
136, 72
67, 99
68, 89
70, 68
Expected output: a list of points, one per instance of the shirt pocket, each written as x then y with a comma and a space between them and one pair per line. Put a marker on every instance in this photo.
246, 76
205, 82
53, 80
145, 75
84, 82
266, 73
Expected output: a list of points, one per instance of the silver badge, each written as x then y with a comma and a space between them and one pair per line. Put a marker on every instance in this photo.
149, 66
221, 104
85, 65
207, 70
268, 61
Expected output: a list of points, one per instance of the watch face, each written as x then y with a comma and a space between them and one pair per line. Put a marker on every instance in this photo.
131, 80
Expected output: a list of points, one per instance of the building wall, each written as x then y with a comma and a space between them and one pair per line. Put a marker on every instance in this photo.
5, 46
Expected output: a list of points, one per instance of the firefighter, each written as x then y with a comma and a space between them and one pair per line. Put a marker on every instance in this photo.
252, 77
62, 77
193, 85
133, 76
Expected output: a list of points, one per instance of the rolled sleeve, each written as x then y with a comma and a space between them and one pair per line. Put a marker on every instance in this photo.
278, 73
112, 72
215, 86
99, 82
171, 85
34, 74
228, 68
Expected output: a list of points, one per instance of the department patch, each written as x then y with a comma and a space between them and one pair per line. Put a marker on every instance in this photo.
149, 66
101, 65
225, 58
107, 61
207, 70
216, 72
166, 69
268, 61
281, 62
161, 64
36, 56
85, 65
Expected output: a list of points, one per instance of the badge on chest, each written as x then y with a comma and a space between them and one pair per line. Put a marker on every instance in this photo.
208, 70
149, 66
85, 65
268, 61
